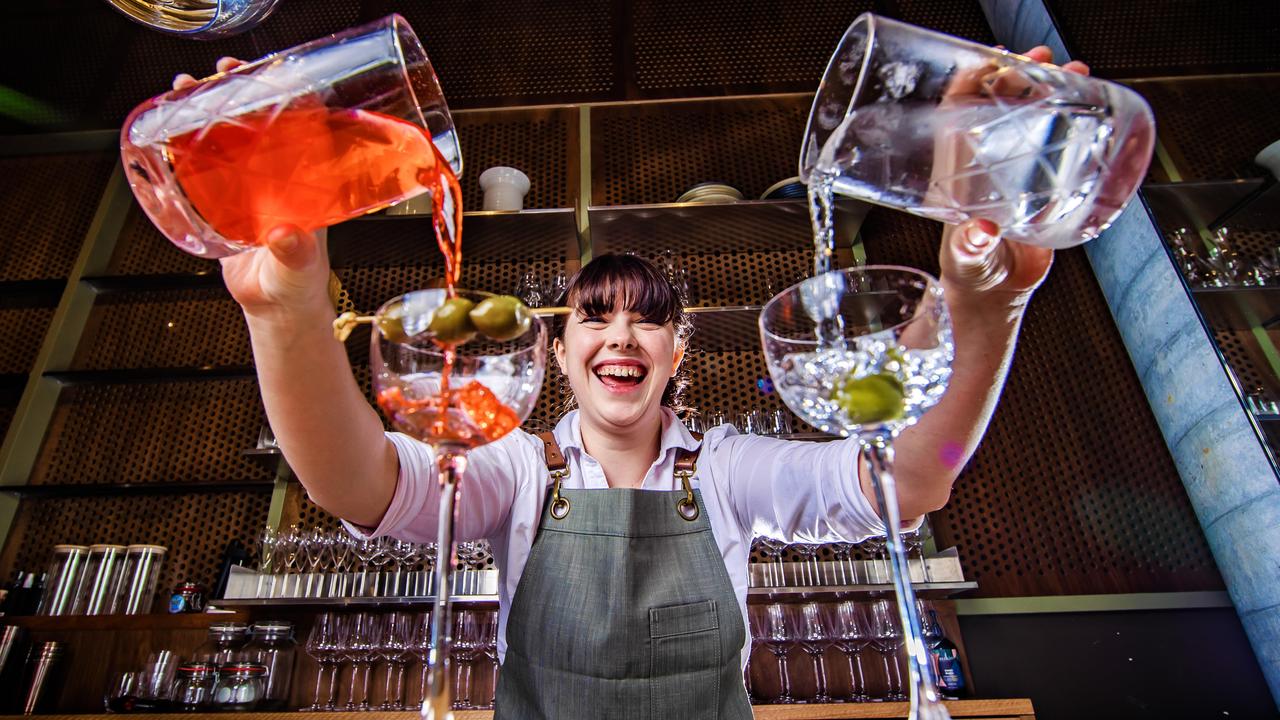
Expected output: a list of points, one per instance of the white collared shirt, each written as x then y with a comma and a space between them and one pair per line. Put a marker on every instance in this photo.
751, 486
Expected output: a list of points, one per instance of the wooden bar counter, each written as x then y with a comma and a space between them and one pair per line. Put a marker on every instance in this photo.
1015, 709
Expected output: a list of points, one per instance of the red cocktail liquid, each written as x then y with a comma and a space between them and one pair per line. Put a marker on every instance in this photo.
311, 166
467, 417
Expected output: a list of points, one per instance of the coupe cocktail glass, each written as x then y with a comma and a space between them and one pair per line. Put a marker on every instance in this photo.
863, 353
454, 397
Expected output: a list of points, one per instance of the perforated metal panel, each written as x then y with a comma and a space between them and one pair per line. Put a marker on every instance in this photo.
161, 432
382, 241
46, 205
491, 53
142, 250
184, 328
654, 153
543, 144
1133, 39
195, 528
25, 324
1212, 127
963, 19
707, 46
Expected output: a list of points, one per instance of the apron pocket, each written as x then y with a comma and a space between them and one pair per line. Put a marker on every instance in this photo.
686, 657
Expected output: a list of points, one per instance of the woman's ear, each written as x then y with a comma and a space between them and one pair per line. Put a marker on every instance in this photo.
675, 364
557, 347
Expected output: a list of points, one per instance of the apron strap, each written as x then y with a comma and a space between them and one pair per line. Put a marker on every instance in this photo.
685, 466
559, 469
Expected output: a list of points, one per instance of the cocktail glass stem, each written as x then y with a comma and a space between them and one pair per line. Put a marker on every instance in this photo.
780, 651
815, 652
926, 704
315, 703
436, 703
857, 679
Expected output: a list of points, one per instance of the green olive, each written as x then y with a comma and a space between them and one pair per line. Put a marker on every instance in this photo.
871, 399
451, 324
391, 324
502, 317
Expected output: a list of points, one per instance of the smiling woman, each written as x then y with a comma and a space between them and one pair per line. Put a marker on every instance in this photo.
609, 296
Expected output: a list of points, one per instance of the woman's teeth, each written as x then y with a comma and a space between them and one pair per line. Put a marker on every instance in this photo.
621, 371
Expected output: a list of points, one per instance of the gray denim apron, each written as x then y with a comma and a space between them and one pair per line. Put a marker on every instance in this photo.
625, 610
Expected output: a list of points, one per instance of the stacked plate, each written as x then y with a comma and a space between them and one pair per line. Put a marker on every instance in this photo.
710, 192
788, 189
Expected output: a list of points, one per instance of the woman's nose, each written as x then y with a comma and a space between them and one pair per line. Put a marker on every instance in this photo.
621, 337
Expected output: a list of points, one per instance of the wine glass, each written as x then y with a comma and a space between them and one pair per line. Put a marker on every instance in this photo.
488, 642
361, 649
775, 570
454, 396
467, 645
318, 551
864, 352
325, 643
421, 649
815, 638
851, 635
773, 625
394, 648
887, 639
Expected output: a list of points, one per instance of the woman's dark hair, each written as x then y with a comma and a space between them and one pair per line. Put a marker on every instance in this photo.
644, 290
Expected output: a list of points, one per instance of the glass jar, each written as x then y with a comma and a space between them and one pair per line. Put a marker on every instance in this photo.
187, 597
240, 686
272, 646
193, 686
223, 644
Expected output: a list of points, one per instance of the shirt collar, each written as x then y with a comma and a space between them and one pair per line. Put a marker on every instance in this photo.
568, 433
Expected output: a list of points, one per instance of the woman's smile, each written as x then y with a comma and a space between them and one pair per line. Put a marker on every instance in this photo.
619, 375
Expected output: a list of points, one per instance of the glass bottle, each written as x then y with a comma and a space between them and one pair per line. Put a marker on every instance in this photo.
272, 646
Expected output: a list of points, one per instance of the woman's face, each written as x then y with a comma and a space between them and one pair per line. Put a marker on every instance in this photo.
618, 365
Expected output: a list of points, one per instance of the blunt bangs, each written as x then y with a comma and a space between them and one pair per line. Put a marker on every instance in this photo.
598, 287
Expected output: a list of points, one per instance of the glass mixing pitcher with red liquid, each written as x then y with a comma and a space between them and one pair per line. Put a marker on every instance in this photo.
321, 133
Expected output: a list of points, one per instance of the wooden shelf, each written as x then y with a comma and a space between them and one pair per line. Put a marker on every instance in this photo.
150, 621
1020, 709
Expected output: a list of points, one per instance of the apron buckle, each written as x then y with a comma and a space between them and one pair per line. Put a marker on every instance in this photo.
687, 507
559, 504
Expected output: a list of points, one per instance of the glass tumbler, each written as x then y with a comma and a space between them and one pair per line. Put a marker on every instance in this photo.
953, 130
311, 136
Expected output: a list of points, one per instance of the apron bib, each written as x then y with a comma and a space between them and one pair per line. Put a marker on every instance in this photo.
625, 611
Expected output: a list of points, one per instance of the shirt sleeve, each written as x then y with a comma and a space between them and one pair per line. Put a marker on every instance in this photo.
802, 492
488, 491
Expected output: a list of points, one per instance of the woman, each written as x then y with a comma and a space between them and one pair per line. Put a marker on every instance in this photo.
623, 540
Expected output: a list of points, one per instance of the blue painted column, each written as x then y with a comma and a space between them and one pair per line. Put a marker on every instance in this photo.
1228, 477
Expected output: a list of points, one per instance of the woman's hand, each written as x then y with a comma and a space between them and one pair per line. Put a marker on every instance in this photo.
979, 269
289, 273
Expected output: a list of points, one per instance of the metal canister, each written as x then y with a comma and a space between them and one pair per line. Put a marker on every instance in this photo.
44, 666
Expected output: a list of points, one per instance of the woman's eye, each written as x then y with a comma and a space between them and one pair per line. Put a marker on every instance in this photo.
592, 319
648, 325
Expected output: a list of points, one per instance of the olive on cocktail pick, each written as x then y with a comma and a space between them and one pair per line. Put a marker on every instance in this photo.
871, 399
391, 324
451, 323
502, 317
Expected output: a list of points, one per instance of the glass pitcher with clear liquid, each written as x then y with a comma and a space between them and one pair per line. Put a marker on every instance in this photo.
953, 130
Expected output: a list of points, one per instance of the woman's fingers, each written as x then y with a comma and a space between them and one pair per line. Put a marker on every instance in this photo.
1077, 67
227, 64
224, 65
